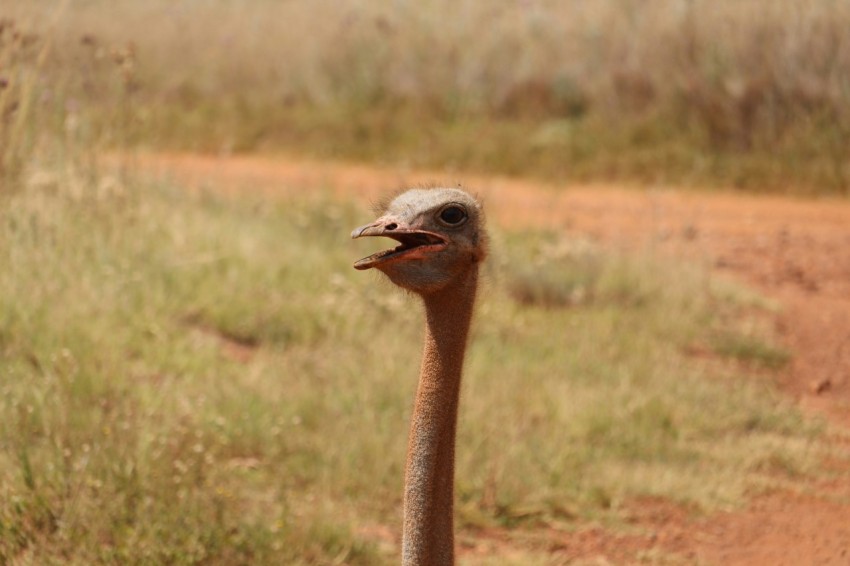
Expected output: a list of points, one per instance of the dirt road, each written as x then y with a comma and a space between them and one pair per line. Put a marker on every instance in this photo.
795, 251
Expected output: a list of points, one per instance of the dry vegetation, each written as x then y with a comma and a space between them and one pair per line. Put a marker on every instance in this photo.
749, 93
186, 379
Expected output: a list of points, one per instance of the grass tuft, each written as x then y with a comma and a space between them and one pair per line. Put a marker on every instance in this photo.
751, 350
550, 271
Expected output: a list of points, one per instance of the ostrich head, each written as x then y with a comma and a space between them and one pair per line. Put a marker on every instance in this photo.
441, 236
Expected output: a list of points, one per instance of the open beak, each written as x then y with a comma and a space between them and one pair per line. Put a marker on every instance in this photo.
413, 243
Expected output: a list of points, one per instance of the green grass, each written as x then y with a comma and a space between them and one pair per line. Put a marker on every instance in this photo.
752, 350
191, 379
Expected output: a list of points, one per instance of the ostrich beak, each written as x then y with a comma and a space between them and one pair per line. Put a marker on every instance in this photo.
414, 243
376, 228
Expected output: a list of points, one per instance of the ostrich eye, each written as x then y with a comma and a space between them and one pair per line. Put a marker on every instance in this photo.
453, 215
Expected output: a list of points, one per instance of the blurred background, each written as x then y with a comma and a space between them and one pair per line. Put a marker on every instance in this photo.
192, 373
749, 93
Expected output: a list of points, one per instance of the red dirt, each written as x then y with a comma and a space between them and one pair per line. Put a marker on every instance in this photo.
795, 251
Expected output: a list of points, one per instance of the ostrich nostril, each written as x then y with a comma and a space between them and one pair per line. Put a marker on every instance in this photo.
391, 226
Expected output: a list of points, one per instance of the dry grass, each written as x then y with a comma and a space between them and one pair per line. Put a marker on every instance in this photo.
187, 379
749, 93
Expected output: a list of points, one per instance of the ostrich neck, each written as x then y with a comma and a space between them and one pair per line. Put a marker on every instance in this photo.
428, 495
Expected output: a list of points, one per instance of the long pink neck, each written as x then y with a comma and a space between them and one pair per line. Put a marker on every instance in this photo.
429, 478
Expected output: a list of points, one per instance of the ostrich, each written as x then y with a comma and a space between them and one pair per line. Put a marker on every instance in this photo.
442, 243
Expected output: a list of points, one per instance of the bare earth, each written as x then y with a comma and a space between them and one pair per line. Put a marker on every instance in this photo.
795, 251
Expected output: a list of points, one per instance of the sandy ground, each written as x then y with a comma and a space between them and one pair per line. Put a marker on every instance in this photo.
795, 251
